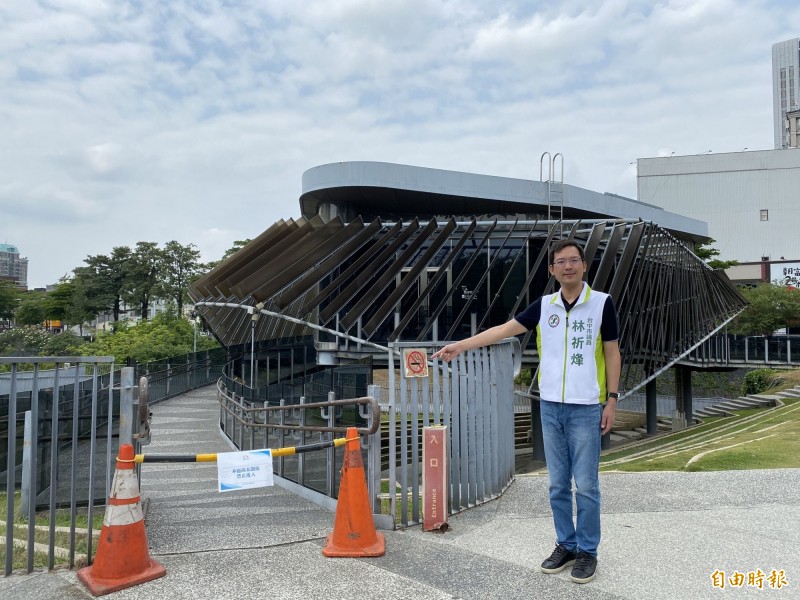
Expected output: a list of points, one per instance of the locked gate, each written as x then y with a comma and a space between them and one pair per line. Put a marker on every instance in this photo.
473, 398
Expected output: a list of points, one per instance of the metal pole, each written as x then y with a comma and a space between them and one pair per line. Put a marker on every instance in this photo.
330, 414
11, 472
25, 495
194, 323
651, 407
252, 350
126, 406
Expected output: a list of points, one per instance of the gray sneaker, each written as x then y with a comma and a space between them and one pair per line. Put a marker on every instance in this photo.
585, 566
559, 560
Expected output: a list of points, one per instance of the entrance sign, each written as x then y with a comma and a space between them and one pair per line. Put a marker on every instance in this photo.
244, 470
415, 362
435, 499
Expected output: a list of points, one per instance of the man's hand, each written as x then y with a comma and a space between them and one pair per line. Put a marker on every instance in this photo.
449, 352
609, 414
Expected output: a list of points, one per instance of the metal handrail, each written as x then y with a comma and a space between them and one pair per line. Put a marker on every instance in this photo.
239, 408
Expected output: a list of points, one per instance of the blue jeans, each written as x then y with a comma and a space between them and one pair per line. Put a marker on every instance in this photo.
571, 435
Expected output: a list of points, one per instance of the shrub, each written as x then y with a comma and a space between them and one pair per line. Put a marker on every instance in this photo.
524, 378
758, 380
22, 341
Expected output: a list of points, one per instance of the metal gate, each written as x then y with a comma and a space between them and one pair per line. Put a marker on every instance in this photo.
473, 396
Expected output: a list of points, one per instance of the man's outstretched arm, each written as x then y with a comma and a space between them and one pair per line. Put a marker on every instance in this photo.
484, 338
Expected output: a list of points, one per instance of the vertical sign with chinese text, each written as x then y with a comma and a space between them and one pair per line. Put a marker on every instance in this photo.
435, 496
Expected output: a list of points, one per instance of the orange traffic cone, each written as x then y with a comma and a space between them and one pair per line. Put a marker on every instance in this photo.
354, 534
122, 558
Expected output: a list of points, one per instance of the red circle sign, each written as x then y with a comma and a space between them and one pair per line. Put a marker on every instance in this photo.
415, 362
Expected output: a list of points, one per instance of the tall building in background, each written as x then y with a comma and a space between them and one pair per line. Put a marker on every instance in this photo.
748, 199
786, 92
12, 266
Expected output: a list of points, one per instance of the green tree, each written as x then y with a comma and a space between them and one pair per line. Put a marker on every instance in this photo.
237, 245
9, 299
58, 302
141, 282
770, 307
179, 266
103, 279
65, 343
708, 255
164, 336
71, 298
32, 309
68, 303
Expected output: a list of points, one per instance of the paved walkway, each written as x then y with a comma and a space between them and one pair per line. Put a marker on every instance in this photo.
664, 535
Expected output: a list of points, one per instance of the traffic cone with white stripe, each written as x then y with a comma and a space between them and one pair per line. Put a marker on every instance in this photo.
122, 559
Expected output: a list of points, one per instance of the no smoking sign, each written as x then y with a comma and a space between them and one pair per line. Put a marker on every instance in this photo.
415, 362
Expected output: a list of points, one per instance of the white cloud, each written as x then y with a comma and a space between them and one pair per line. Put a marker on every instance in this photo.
103, 157
127, 121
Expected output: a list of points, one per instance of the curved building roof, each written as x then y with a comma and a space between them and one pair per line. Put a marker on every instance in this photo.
373, 189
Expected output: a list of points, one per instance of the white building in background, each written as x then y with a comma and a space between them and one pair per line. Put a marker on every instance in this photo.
13, 266
786, 92
750, 200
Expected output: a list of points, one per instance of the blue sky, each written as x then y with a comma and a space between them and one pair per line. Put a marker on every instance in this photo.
194, 120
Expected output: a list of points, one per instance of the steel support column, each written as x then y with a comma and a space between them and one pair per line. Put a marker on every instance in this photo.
683, 395
651, 407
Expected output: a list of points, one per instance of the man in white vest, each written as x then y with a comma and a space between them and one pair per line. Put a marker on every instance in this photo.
579, 369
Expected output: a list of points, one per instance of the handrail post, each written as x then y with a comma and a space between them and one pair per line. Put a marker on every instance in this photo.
301, 462
282, 435
331, 471
126, 406
373, 445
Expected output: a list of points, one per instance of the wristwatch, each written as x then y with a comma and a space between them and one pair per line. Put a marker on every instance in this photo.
614, 395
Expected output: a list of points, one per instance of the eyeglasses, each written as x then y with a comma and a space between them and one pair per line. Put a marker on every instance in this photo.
563, 262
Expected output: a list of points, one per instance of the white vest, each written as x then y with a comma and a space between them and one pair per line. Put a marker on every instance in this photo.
571, 360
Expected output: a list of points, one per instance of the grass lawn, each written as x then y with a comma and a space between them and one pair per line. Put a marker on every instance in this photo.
42, 534
766, 438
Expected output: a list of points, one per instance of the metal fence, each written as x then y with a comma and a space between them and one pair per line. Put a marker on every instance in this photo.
75, 382
69, 426
474, 398
315, 475
179, 374
59, 436
769, 350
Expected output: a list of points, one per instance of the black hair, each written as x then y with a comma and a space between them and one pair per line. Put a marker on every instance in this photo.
560, 245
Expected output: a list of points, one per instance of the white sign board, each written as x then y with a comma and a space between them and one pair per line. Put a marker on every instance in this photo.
244, 470
786, 273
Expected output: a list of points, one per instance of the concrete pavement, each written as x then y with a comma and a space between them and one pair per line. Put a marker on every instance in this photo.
664, 535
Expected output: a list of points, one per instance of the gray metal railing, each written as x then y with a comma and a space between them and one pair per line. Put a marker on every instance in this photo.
73, 422
69, 424
474, 398
66, 375
179, 374
316, 476
769, 350
751, 350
